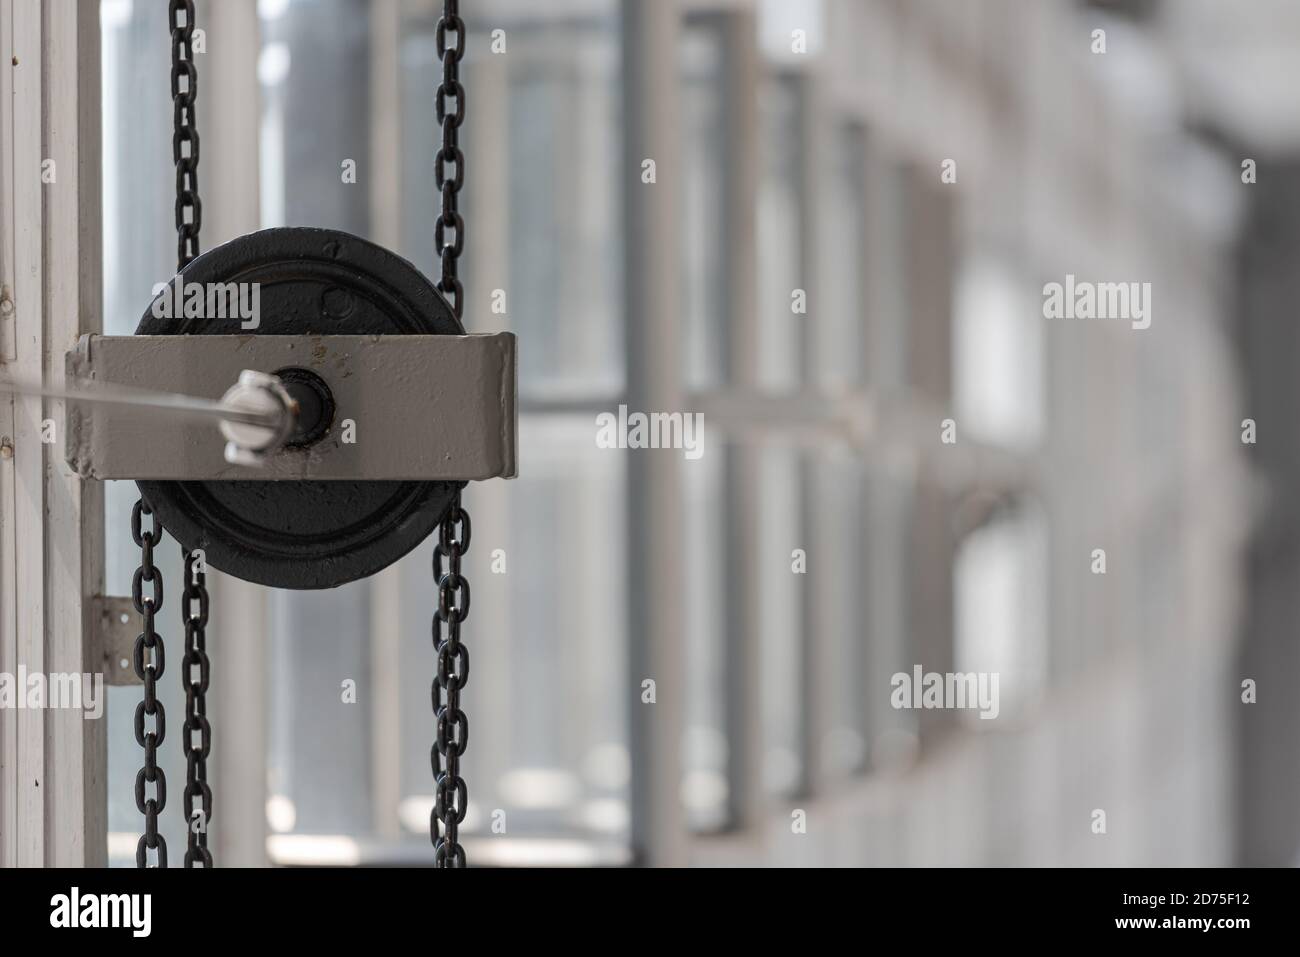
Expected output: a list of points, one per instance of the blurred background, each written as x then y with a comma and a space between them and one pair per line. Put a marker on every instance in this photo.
799, 145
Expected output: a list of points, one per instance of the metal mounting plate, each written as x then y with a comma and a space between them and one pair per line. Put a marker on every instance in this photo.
423, 407
117, 624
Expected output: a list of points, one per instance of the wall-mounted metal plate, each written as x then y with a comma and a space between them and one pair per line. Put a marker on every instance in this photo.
117, 624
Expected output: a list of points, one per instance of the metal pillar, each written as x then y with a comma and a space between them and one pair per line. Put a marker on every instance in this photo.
651, 307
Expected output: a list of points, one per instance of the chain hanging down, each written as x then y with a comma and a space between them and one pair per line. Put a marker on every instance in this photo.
149, 644
194, 674
189, 214
450, 93
185, 133
194, 602
451, 798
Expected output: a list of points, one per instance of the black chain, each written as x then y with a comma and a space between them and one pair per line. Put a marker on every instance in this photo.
451, 799
185, 136
449, 164
189, 215
148, 642
194, 601
194, 674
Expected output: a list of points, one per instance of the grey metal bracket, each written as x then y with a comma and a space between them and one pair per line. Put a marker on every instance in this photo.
409, 408
117, 625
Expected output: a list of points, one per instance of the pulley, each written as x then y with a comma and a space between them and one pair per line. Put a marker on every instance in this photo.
337, 504
352, 410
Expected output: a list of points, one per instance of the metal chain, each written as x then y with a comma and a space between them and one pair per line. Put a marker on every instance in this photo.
185, 136
451, 800
449, 164
149, 642
185, 154
194, 674
189, 216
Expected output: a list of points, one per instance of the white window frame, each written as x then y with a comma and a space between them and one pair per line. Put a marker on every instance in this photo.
53, 805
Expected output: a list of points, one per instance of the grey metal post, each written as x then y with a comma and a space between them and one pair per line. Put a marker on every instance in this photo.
387, 621
230, 118
743, 715
651, 305
813, 702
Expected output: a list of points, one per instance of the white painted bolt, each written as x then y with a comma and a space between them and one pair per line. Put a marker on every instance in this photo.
260, 394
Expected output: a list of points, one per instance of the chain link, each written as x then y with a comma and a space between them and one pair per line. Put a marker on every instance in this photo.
451, 799
449, 164
451, 802
194, 676
149, 644
185, 135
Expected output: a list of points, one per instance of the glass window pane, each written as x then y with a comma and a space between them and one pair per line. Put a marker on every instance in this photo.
838, 584
704, 786
997, 353
547, 692
139, 251
886, 287
892, 733
1000, 611
838, 328
780, 328
780, 586
555, 174
702, 203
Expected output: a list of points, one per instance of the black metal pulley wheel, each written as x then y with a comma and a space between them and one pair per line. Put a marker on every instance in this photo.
307, 534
